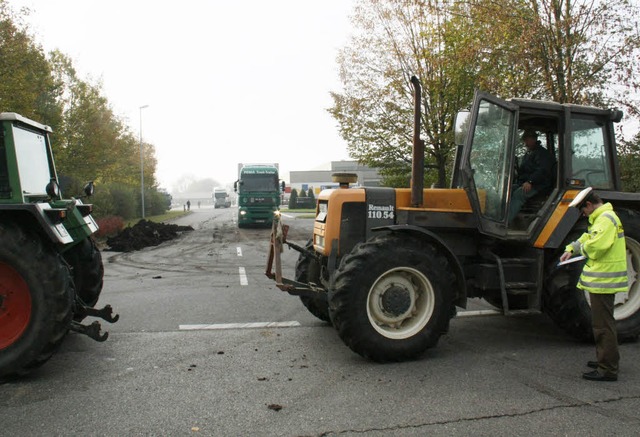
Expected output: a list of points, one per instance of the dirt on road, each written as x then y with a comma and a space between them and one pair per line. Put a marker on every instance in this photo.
144, 234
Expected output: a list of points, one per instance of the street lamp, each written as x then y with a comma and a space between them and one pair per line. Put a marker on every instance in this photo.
142, 163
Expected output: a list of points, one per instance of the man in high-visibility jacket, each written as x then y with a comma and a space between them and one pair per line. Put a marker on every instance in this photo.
604, 274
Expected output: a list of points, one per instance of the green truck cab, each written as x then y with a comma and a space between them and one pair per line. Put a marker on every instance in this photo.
259, 189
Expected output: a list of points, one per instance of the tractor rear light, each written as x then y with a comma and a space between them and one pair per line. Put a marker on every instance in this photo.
85, 210
56, 215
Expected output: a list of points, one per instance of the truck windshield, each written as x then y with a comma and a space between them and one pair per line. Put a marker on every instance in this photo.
33, 161
259, 182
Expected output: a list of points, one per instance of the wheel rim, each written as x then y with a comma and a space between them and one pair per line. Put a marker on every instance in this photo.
15, 306
400, 303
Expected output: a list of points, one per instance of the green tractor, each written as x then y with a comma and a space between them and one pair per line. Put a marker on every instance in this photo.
51, 271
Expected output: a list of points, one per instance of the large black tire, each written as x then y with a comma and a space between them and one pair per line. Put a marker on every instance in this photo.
308, 270
36, 294
85, 260
569, 306
392, 298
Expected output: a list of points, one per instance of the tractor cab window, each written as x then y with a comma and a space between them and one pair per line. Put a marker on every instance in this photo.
490, 158
590, 162
33, 161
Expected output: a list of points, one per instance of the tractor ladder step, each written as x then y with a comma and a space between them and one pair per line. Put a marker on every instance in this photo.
507, 267
520, 288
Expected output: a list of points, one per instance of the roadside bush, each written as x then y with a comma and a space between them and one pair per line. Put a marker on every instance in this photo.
156, 202
293, 199
109, 226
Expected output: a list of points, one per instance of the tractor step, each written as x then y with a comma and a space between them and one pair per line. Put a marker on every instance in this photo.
519, 288
522, 312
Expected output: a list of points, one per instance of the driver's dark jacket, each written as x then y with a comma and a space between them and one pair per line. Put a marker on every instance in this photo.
535, 167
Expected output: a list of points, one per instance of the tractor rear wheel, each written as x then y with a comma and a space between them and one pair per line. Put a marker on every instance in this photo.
392, 299
36, 301
308, 270
569, 307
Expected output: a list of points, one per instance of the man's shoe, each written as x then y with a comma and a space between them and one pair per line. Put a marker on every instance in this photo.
592, 364
597, 376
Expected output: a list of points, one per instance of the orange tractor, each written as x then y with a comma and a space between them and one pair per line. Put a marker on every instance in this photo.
388, 267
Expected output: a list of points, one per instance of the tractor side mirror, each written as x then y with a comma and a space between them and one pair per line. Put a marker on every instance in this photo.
52, 189
89, 189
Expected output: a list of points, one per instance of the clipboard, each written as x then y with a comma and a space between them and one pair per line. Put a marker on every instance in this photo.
572, 260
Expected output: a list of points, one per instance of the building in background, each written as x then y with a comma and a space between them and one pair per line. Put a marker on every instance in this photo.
318, 180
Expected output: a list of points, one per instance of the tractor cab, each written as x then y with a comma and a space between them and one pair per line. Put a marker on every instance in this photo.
578, 142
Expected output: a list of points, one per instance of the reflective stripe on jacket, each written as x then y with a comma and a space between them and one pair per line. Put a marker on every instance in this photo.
604, 247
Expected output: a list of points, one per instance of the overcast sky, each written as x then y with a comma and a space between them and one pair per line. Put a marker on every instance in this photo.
226, 81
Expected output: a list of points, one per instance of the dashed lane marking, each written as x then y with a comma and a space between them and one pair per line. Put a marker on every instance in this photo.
254, 325
243, 276
239, 251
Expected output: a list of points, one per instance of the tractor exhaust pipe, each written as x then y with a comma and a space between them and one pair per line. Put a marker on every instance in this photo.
417, 165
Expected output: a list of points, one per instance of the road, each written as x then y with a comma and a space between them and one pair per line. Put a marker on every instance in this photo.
191, 355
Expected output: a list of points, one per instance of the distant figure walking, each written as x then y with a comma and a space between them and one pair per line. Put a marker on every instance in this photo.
188, 205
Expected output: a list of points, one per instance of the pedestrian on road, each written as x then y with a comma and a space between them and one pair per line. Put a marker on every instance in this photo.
603, 275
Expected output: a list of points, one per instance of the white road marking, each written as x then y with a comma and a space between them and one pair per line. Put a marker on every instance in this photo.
239, 251
291, 324
243, 276
479, 313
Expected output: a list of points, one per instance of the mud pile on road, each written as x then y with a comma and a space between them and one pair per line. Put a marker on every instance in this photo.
144, 234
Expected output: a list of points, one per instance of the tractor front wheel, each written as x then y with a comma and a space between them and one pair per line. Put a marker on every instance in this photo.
392, 298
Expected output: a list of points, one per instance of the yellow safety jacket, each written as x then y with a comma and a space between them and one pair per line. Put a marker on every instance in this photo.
603, 245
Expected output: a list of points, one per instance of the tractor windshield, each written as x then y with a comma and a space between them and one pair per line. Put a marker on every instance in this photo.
33, 160
489, 158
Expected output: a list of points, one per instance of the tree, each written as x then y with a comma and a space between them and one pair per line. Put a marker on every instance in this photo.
293, 199
26, 84
570, 51
374, 111
89, 141
630, 164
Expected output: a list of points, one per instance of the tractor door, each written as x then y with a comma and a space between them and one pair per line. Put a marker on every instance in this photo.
488, 161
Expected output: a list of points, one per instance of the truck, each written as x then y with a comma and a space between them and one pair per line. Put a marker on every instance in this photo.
221, 198
389, 267
259, 194
51, 270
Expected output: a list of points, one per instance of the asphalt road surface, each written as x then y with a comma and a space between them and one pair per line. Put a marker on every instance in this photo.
207, 345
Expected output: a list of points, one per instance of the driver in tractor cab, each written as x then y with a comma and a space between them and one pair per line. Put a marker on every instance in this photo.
533, 174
